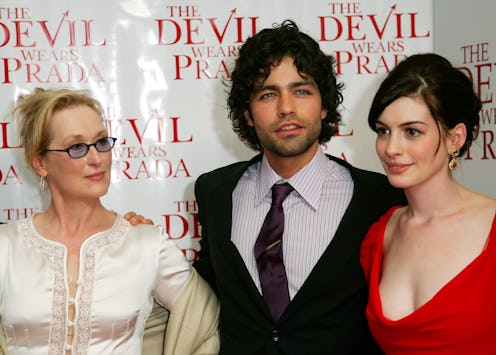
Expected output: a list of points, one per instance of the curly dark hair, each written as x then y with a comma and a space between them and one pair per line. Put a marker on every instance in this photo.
448, 93
256, 58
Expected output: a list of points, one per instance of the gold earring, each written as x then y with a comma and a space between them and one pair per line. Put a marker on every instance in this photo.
453, 163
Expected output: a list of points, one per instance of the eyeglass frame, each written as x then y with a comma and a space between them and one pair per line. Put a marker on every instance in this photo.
112, 141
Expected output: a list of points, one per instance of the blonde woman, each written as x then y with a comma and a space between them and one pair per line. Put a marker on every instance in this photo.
77, 278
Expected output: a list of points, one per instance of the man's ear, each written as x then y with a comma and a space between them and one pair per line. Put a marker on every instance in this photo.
323, 113
248, 118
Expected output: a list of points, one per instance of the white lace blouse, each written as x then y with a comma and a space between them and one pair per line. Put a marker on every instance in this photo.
121, 270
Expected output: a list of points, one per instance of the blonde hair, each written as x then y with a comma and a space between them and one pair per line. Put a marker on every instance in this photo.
36, 110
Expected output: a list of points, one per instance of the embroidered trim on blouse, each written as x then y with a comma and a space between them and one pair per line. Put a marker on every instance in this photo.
83, 324
56, 253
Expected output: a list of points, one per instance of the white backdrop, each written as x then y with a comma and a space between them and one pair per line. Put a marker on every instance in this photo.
157, 68
473, 49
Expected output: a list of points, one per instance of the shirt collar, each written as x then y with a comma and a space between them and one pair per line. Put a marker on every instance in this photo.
307, 182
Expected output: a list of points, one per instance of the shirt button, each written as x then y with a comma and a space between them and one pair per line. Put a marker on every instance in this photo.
275, 335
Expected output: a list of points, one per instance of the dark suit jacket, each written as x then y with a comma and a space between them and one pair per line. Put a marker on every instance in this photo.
327, 315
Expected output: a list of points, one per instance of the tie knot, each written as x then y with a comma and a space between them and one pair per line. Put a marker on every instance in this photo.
280, 192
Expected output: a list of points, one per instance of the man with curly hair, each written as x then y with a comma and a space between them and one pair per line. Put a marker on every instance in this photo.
283, 103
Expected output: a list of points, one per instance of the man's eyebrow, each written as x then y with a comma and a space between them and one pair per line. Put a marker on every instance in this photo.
264, 88
291, 85
303, 83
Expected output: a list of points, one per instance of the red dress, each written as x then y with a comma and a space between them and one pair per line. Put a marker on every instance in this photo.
459, 319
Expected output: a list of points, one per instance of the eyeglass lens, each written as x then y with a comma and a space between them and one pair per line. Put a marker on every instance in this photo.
81, 149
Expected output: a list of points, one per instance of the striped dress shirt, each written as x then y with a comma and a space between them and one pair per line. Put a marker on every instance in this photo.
313, 211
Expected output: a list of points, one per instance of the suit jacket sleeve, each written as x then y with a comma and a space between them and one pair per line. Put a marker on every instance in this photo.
203, 265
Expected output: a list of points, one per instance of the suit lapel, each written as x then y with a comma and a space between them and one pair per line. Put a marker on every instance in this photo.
340, 249
223, 222
223, 198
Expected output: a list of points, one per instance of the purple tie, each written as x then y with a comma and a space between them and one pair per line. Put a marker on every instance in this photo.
268, 254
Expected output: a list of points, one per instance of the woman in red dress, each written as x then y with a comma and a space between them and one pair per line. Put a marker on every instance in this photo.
431, 264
